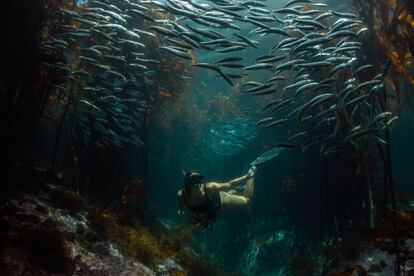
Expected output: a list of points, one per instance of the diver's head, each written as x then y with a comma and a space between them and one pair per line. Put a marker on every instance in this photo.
192, 178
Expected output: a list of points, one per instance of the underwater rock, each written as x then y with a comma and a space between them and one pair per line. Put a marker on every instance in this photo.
41, 209
263, 249
101, 249
80, 229
28, 218
167, 266
50, 223
47, 248
92, 237
69, 201
378, 258
43, 238
69, 222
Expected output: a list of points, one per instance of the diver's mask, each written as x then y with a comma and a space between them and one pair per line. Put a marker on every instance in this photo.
193, 178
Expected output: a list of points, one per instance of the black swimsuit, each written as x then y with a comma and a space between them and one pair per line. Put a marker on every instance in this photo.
207, 206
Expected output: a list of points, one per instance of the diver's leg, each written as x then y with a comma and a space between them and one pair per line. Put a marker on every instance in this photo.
231, 200
249, 188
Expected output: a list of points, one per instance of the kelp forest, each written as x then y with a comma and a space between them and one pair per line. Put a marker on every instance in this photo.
107, 105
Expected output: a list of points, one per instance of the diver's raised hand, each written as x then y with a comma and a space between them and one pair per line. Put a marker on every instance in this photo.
251, 172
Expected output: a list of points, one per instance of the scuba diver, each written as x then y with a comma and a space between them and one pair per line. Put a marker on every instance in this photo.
205, 199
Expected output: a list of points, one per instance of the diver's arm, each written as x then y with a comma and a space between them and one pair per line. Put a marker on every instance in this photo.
237, 181
228, 185
181, 204
232, 183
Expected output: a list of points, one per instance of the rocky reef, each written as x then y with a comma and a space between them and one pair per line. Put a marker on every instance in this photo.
53, 231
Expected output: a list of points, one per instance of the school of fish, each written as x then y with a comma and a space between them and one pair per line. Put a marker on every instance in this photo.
316, 82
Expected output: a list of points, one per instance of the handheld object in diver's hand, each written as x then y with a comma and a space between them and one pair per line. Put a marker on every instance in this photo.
251, 172
266, 156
